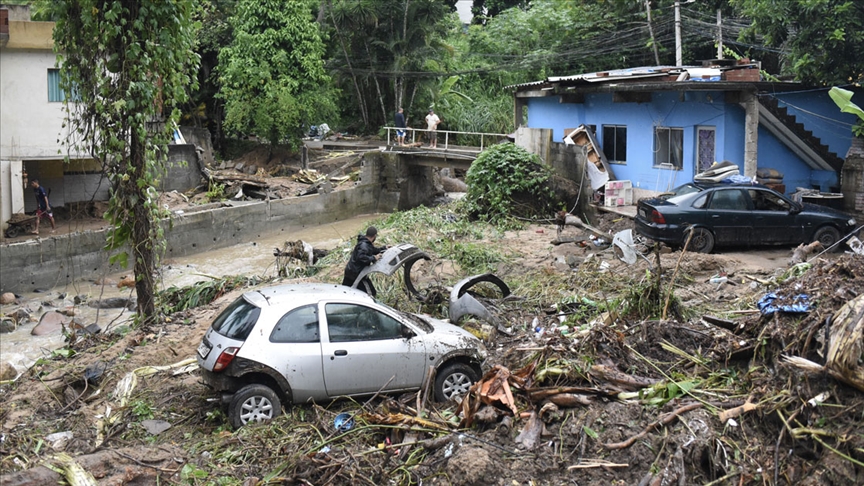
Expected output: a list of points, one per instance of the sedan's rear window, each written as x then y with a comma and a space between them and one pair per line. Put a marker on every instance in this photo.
237, 320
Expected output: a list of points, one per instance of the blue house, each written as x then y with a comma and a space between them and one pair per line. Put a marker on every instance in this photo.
659, 126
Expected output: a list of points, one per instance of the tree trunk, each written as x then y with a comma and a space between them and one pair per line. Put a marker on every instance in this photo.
143, 246
360, 101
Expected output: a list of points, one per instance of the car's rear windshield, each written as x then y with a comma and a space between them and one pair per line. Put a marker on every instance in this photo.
674, 195
237, 320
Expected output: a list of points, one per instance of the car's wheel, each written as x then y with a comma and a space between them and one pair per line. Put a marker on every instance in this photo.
702, 240
253, 403
827, 235
453, 381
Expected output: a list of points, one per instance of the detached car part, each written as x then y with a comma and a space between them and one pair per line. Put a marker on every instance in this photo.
395, 257
463, 303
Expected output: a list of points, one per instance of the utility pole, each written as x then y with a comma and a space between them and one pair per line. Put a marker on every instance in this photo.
719, 36
679, 57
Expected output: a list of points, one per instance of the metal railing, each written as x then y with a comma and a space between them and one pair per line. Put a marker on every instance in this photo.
423, 135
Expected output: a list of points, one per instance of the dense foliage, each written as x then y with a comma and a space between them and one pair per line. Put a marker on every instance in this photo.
272, 74
127, 64
507, 180
820, 42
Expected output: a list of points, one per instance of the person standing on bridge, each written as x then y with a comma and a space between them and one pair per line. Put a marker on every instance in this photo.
400, 127
432, 122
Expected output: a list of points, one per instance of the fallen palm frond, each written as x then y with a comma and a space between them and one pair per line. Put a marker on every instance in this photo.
176, 299
845, 346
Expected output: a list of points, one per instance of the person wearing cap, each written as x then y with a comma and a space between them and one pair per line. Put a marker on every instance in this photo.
432, 122
365, 253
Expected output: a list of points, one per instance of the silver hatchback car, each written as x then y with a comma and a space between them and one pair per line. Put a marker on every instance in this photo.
302, 342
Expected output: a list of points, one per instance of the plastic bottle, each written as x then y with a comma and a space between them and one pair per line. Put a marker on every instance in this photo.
717, 280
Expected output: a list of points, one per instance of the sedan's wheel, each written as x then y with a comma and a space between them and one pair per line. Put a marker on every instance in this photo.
827, 235
702, 240
453, 381
253, 403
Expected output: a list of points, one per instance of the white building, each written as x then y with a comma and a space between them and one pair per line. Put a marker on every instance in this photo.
31, 121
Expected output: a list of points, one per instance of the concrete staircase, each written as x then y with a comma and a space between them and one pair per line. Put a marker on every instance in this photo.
795, 136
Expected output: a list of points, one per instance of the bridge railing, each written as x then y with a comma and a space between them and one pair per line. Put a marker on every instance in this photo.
422, 135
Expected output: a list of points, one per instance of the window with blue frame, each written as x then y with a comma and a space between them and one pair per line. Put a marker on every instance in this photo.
615, 143
669, 147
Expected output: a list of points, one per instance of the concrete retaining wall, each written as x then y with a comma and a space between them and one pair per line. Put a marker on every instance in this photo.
59, 260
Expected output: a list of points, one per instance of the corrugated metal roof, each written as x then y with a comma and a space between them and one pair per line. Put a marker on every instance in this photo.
695, 73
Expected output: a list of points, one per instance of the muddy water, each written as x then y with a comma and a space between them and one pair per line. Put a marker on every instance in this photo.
22, 349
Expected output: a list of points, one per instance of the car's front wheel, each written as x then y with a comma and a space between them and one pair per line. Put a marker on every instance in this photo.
827, 235
702, 240
253, 403
453, 381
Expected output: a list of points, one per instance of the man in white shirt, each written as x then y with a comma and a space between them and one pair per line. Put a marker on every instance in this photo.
432, 122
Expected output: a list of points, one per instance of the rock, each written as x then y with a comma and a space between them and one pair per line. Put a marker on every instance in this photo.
127, 281
49, 323
79, 299
21, 315
105, 281
68, 311
155, 427
470, 466
7, 298
112, 303
7, 325
7, 372
453, 185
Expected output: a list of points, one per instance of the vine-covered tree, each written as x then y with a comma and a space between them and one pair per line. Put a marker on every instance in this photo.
272, 74
124, 63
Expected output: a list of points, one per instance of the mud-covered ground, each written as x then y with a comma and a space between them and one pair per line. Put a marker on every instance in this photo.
644, 374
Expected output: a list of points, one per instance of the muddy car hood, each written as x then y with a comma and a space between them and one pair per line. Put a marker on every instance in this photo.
453, 337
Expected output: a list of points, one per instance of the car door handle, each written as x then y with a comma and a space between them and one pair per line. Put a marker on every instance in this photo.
340, 352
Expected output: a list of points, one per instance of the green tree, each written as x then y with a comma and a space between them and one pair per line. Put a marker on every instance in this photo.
384, 52
125, 63
506, 180
821, 41
272, 74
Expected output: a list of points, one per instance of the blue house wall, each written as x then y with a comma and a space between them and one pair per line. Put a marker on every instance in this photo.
690, 110
820, 115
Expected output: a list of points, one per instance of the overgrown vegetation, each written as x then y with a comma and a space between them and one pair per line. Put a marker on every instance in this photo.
176, 299
508, 181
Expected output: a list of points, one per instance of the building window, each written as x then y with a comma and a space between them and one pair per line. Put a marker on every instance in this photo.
615, 143
668, 147
55, 92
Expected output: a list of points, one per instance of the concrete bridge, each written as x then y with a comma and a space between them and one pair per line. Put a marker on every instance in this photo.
448, 153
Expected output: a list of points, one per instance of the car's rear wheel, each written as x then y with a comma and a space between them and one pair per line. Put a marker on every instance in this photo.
253, 403
453, 381
827, 235
702, 240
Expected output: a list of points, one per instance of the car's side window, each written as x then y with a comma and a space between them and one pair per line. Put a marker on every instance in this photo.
699, 203
353, 322
733, 199
297, 326
767, 201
